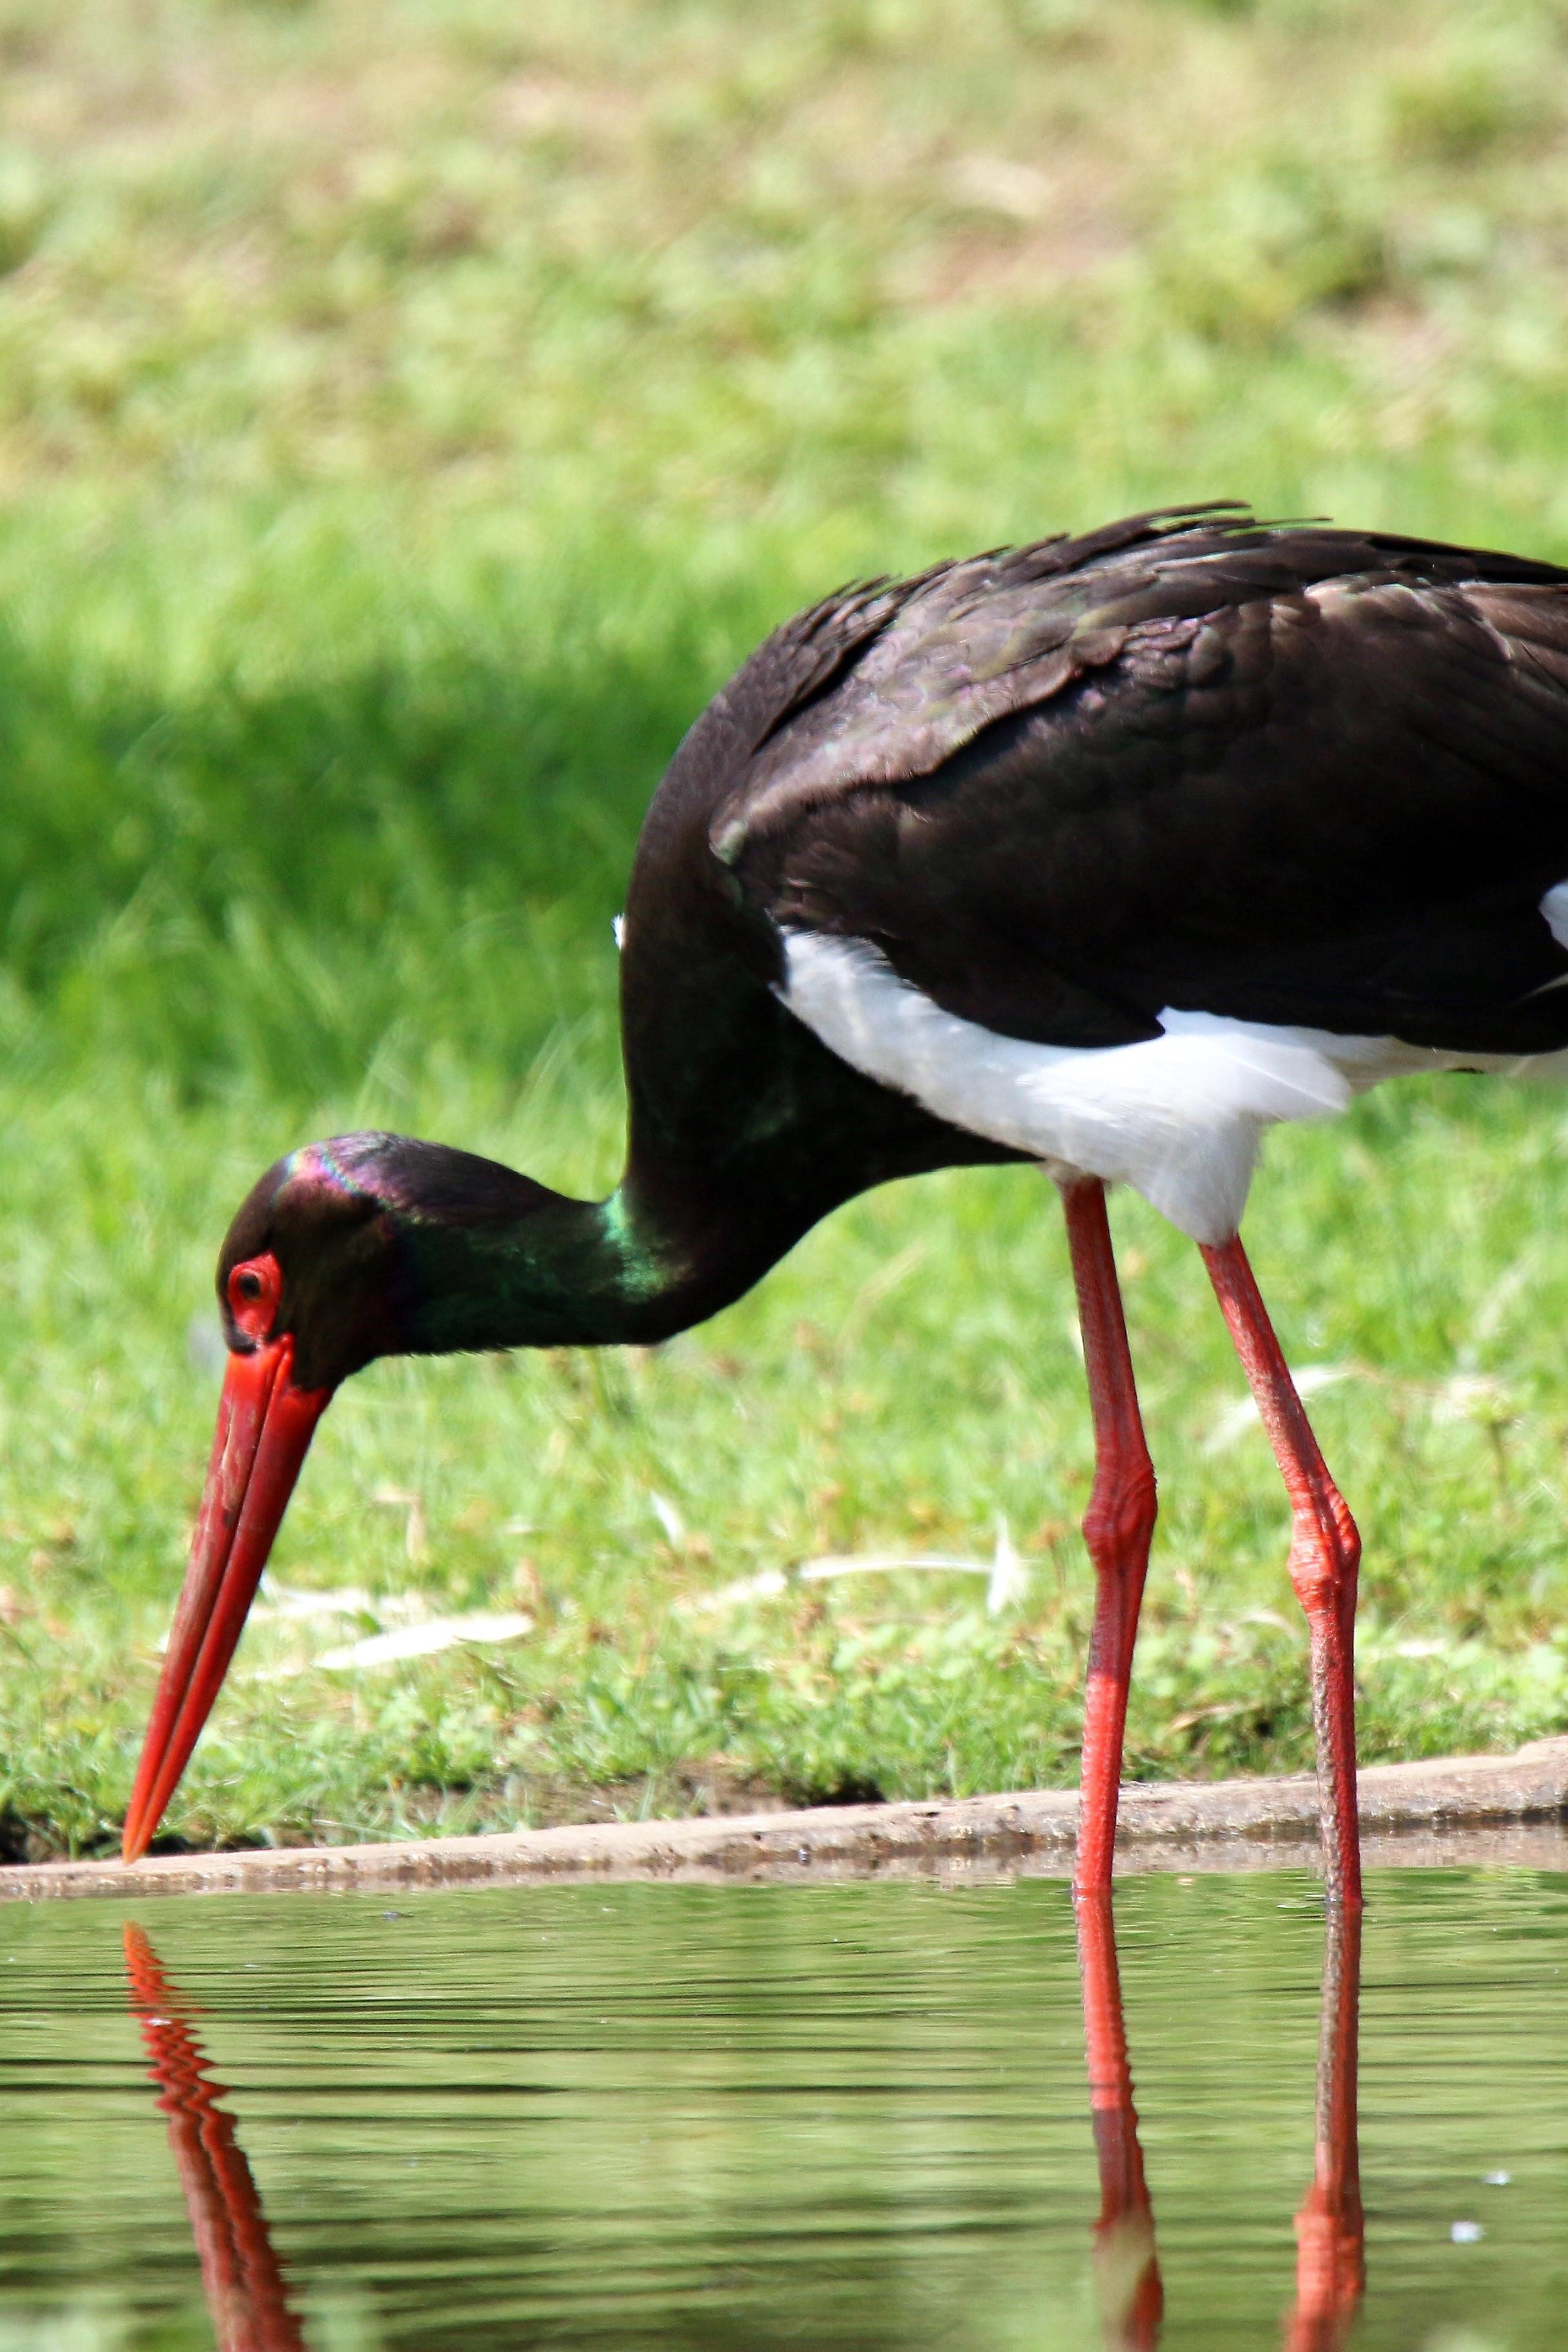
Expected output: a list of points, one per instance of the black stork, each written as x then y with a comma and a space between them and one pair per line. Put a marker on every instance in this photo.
1107, 853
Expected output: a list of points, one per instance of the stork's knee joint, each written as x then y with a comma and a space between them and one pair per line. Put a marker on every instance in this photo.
1117, 1522
1320, 1579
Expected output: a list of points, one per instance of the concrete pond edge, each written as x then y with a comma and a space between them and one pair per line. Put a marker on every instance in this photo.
1455, 1810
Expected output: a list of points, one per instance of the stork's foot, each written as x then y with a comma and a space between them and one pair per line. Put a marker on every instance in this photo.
1325, 1555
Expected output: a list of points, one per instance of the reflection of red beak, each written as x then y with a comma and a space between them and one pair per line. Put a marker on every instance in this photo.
246, 2292
264, 1429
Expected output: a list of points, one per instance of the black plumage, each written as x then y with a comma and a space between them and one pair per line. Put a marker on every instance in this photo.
1290, 775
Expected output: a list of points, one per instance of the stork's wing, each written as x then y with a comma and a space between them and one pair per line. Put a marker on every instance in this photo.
1296, 776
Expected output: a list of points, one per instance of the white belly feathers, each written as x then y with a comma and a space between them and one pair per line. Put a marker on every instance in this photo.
1178, 1117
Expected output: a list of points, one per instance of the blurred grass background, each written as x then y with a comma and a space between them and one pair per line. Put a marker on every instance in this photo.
409, 413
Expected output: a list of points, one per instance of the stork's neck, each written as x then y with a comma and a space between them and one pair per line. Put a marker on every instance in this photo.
634, 1268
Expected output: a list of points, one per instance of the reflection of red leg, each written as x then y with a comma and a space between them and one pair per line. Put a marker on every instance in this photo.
1329, 2267
240, 2272
1117, 1528
1325, 1553
1131, 2296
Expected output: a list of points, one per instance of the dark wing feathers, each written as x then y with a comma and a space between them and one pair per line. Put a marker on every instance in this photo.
1290, 775
938, 658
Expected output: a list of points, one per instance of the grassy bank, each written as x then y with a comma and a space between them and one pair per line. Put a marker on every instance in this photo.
407, 419
908, 1377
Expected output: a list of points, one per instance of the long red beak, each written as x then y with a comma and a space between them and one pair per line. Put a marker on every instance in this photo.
264, 1425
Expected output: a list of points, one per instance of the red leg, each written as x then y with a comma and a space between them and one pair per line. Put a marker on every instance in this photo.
1325, 1552
1117, 1528
1331, 2271
1130, 2295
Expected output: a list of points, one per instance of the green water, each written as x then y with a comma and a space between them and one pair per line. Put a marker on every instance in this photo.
641, 2117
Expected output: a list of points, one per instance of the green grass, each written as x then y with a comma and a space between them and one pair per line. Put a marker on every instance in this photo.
409, 414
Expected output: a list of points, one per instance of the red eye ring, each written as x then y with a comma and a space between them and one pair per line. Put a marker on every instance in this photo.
254, 1289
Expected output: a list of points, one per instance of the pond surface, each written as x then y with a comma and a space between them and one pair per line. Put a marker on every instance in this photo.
856, 2116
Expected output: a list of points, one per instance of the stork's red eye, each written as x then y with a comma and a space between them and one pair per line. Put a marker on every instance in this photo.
254, 1290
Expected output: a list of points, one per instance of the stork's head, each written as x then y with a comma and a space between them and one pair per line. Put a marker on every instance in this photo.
338, 1255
